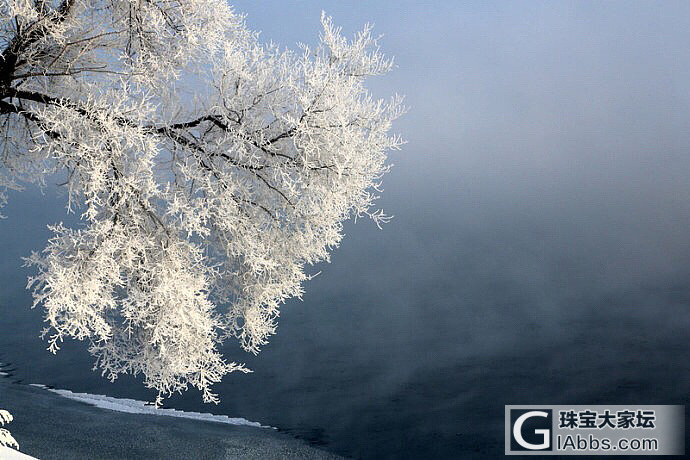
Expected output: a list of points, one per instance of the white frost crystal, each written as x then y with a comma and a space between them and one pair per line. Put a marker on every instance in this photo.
6, 438
208, 170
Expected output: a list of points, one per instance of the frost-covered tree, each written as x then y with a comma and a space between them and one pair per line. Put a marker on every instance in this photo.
208, 169
6, 438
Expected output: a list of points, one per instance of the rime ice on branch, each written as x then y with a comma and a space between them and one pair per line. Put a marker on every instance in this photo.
208, 170
6, 438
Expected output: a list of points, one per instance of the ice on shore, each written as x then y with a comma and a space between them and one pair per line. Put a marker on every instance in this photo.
134, 406
10, 454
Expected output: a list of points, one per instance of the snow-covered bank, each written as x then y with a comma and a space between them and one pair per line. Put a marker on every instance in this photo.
134, 406
48, 425
10, 454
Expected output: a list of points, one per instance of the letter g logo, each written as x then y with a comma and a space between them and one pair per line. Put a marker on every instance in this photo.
517, 431
531, 429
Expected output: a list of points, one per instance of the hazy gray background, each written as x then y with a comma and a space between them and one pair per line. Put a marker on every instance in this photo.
539, 252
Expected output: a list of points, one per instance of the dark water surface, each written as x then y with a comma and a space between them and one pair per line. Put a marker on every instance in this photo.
411, 342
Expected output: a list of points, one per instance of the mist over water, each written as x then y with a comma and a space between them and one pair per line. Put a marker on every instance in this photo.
539, 251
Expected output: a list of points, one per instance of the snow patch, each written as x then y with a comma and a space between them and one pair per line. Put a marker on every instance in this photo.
10, 454
134, 406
